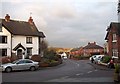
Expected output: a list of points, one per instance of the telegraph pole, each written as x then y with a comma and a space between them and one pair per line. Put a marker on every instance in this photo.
118, 11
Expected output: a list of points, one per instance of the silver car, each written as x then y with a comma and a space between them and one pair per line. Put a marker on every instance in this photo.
21, 64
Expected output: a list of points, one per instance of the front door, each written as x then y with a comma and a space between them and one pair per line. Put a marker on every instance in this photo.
19, 53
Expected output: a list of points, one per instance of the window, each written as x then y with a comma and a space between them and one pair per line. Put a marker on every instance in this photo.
115, 52
28, 61
29, 40
3, 39
3, 52
114, 38
29, 51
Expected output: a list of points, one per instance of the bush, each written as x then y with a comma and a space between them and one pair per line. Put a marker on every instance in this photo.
106, 59
13, 58
117, 67
77, 56
5, 60
36, 58
54, 63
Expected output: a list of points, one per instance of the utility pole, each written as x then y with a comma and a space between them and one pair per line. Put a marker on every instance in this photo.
118, 10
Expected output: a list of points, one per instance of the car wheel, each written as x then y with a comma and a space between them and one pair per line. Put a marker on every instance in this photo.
8, 69
32, 68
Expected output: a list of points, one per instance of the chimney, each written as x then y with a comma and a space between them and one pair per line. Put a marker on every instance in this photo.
7, 18
30, 20
95, 43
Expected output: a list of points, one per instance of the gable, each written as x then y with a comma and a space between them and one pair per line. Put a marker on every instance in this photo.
113, 28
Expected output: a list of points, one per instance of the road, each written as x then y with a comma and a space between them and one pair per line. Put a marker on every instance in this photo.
69, 71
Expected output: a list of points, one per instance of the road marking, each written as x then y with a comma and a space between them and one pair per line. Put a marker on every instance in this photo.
77, 64
79, 74
96, 70
89, 71
64, 77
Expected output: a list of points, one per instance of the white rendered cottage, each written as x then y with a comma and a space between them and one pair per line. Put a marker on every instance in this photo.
19, 38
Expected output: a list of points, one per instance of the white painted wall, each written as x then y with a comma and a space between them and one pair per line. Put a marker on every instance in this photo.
8, 45
16, 39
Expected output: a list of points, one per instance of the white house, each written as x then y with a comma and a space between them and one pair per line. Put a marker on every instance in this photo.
19, 38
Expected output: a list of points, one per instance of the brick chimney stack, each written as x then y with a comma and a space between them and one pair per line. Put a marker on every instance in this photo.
95, 43
7, 18
30, 20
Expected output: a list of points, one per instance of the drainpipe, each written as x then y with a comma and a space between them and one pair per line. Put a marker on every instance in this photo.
11, 44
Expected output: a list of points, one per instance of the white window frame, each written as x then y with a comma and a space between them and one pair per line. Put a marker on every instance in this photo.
115, 52
114, 38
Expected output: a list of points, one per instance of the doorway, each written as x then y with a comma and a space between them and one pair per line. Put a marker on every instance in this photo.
19, 53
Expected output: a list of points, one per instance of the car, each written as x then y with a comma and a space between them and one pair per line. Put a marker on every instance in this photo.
65, 57
96, 58
21, 64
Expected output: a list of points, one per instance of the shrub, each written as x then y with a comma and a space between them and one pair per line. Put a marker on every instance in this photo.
106, 59
77, 56
36, 58
5, 60
54, 63
13, 58
117, 67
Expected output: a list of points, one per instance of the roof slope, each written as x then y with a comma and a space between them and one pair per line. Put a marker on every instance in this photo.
21, 28
92, 46
115, 25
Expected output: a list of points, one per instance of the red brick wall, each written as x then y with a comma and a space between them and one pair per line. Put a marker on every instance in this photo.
119, 46
111, 44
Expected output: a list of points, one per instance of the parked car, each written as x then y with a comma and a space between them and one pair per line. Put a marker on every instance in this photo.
96, 58
65, 57
21, 64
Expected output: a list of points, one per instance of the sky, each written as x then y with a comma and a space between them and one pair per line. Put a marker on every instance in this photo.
66, 23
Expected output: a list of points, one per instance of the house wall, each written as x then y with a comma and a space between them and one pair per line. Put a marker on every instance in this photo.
119, 46
8, 44
111, 44
93, 51
16, 39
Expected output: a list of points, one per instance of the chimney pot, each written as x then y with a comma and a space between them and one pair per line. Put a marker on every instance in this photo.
95, 43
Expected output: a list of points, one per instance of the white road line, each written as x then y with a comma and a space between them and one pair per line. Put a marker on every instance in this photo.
79, 74
64, 77
96, 70
89, 71
78, 64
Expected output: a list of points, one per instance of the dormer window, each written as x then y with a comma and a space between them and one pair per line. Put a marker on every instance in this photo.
114, 38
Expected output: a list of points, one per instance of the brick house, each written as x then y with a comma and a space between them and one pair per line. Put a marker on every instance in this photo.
92, 49
77, 51
113, 39
19, 38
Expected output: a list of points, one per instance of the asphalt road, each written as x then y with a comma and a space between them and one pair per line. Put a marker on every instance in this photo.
69, 71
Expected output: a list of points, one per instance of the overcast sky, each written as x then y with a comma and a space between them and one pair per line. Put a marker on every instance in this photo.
66, 23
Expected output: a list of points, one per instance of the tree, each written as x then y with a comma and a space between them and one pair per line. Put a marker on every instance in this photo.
44, 46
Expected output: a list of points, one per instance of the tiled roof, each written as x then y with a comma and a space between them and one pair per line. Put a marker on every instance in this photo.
21, 28
115, 25
92, 46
